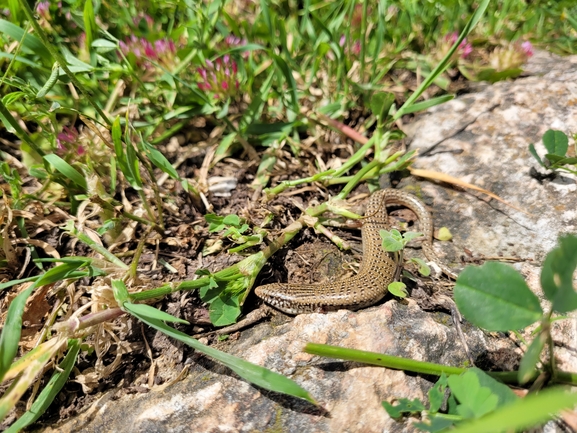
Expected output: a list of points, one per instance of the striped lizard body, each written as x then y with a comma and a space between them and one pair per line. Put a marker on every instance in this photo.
377, 270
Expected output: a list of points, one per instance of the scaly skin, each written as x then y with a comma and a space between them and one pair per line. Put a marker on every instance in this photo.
377, 270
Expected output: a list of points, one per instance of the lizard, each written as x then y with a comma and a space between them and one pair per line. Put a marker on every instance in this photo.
377, 270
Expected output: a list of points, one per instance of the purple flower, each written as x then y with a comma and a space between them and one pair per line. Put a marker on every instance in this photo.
68, 135
527, 47
353, 49
452, 37
232, 41
465, 48
219, 77
147, 18
68, 140
43, 10
146, 52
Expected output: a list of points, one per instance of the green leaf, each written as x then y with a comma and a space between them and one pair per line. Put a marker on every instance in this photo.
502, 391
380, 104
492, 75
556, 142
388, 361
558, 161
557, 275
67, 170
209, 292
105, 45
436, 423
231, 220
143, 310
398, 289
118, 147
225, 145
15, 282
531, 358
424, 269
475, 400
225, 309
126, 156
437, 394
61, 272
523, 413
256, 374
409, 236
158, 159
133, 174
404, 405
75, 65
215, 222
392, 241
496, 298
50, 390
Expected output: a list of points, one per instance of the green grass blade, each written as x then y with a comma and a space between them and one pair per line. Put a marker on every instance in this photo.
24, 60
151, 313
420, 106
158, 159
89, 22
291, 83
12, 329
532, 356
14, 282
67, 170
31, 42
444, 62
250, 372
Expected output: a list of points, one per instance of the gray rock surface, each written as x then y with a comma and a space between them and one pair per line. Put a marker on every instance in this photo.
481, 138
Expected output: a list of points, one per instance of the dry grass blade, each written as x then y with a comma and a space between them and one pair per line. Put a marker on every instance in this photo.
90, 124
435, 175
33, 219
48, 249
34, 366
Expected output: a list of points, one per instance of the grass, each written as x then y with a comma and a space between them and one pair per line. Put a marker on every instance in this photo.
116, 122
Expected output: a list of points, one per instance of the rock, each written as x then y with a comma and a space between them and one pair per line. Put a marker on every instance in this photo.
350, 394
